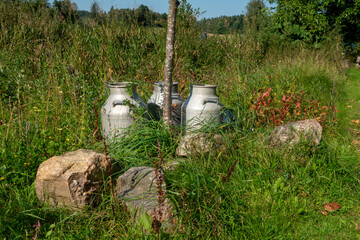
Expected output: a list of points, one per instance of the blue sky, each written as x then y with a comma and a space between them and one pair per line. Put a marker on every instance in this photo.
213, 8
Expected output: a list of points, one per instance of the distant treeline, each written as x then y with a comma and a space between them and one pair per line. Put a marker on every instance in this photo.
143, 16
146, 17
221, 25
308, 22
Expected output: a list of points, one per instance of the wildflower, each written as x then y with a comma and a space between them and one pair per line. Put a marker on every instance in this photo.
60, 129
50, 137
15, 155
2, 178
26, 164
1, 122
67, 139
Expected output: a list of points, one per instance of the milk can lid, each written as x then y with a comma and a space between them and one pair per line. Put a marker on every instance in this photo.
203, 85
121, 84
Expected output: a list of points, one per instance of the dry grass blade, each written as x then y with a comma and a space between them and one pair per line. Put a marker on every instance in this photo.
325, 213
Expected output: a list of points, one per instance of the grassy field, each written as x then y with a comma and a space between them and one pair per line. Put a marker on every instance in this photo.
53, 77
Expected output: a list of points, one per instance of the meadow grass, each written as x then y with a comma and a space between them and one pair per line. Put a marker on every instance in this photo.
53, 77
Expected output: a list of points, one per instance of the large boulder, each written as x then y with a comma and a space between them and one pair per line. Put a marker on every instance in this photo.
200, 143
138, 189
73, 179
293, 133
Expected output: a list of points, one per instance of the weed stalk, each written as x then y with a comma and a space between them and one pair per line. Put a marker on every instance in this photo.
157, 217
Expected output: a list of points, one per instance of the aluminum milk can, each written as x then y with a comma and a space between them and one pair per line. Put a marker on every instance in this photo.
117, 111
156, 102
202, 108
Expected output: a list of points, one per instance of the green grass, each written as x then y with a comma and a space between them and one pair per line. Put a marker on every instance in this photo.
353, 89
53, 83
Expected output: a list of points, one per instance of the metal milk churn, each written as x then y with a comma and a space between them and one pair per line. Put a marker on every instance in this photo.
117, 111
156, 102
202, 108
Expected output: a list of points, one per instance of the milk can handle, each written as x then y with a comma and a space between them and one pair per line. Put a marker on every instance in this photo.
115, 103
212, 99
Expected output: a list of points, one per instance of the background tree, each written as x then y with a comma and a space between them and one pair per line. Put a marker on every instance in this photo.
95, 11
67, 10
255, 18
313, 21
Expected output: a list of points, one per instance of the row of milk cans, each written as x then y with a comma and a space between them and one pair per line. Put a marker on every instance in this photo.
201, 109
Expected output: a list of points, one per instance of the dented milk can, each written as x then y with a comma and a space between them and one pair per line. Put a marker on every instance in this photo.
202, 108
156, 102
117, 111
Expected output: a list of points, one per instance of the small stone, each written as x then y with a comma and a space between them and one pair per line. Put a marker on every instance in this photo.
346, 64
292, 133
170, 165
200, 143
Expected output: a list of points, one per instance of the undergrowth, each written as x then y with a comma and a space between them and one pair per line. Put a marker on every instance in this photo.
53, 81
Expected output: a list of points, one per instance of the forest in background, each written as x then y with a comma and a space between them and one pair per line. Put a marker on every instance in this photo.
295, 20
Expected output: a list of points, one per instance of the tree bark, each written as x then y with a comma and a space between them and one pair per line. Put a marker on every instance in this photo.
169, 61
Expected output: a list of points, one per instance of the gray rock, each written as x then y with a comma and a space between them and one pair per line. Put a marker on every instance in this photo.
292, 133
199, 143
358, 59
137, 188
73, 179
357, 65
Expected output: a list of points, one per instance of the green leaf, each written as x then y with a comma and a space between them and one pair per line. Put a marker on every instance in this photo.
146, 221
300, 211
48, 234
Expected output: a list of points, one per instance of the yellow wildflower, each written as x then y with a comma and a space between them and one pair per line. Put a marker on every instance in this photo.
2, 178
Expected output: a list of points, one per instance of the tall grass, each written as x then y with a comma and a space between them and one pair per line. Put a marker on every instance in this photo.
53, 81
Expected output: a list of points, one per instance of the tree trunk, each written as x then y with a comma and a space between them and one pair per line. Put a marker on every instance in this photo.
169, 61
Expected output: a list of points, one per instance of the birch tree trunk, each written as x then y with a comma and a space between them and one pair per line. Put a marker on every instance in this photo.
169, 61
